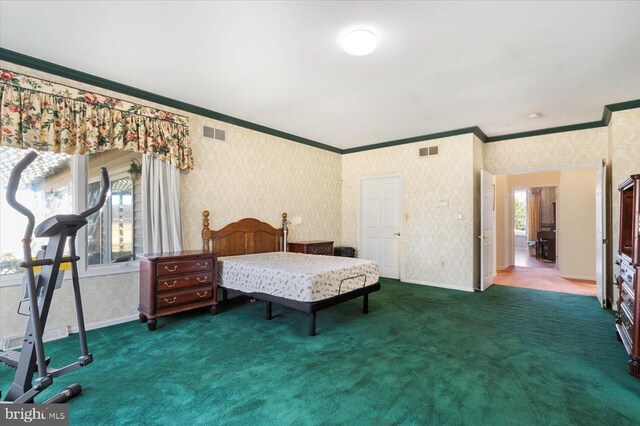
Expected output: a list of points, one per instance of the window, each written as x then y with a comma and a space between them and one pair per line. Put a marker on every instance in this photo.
520, 211
111, 234
55, 184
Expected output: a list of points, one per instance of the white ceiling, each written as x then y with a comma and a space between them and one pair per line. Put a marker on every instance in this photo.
439, 66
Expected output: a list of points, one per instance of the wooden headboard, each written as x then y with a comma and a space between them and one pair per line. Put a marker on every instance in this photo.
245, 236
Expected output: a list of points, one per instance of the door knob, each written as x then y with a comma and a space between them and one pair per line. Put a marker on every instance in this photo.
482, 237
397, 234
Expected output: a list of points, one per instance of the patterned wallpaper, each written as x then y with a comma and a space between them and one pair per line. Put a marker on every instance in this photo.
106, 299
547, 198
431, 234
257, 175
580, 147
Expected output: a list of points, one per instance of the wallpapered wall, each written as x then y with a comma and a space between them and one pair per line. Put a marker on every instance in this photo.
547, 198
106, 299
431, 234
558, 150
261, 176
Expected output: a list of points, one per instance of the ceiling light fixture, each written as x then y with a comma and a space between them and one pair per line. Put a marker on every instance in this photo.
359, 42
534, 115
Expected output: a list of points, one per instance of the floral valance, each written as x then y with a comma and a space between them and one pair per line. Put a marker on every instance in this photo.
47, 116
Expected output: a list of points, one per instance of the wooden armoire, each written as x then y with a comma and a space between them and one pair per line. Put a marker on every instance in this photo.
628, 318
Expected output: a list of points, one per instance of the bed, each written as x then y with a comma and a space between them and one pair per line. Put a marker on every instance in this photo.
252, 261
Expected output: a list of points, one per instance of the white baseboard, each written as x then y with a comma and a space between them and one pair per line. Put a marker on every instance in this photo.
106, 323
578, 277
439, 285
14, 342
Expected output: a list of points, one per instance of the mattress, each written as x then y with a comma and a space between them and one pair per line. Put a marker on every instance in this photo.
295, 276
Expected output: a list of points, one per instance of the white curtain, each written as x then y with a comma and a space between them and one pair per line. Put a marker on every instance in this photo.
161, 206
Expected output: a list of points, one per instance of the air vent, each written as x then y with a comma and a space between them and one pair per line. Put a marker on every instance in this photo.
429, 150
213, 133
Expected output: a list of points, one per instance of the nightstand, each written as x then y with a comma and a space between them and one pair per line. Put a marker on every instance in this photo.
312, 247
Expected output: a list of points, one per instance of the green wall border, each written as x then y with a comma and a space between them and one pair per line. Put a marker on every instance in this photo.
62, 71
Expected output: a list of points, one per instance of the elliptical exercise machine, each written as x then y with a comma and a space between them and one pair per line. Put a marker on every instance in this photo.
31, 358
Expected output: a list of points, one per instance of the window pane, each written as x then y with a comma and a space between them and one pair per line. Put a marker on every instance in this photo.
121, 218
111, 234
520, 210
45, 188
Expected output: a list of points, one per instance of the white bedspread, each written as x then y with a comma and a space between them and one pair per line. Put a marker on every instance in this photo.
295, 276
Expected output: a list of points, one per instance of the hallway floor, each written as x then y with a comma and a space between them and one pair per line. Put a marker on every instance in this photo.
543, 278
523, 258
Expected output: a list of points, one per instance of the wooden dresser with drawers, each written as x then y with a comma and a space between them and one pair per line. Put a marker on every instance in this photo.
176, 282
628, 317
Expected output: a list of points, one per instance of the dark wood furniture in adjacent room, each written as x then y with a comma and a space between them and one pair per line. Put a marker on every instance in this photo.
312, 247
628, 317
546, 245
176, 282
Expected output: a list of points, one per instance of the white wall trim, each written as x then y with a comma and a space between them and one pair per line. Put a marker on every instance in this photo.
439, 285
105, 323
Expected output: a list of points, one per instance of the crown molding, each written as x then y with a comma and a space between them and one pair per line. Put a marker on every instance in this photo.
414, 139
62, 71
547, 131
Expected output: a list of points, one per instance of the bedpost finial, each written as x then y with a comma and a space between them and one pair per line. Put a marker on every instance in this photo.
284, 218
205, 231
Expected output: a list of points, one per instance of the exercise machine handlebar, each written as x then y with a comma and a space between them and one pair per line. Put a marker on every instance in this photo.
12, 188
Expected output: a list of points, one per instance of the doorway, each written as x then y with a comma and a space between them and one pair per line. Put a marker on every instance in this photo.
534, 227
546, 230
380, 222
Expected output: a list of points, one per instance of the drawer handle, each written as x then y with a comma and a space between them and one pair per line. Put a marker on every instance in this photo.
202, 266
171, 301
175, 267
202, 295
201, 279
166, 284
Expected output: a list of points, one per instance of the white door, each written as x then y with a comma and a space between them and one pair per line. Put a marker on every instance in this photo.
601, 235
381, 222
487, 229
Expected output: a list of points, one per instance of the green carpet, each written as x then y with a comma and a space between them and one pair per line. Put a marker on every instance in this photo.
421, 356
